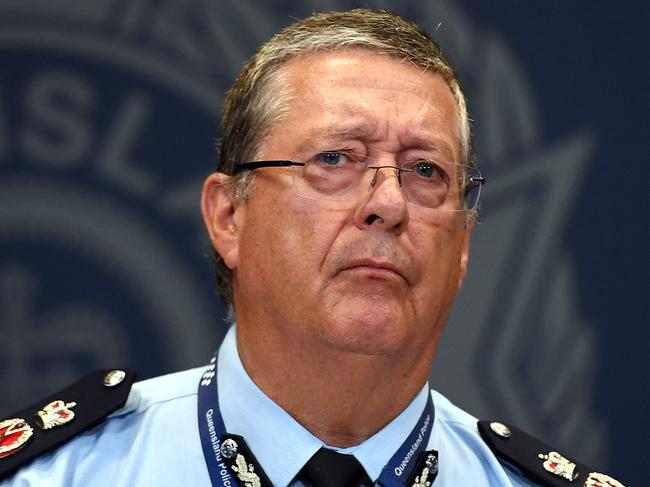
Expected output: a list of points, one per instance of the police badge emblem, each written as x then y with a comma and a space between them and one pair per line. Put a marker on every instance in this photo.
425, 471
246, 472
56, 413
14, 434
558, 465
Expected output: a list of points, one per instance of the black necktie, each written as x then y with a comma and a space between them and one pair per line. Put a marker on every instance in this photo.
328, 468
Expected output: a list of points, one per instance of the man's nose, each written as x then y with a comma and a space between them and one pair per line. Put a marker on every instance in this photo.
385, 204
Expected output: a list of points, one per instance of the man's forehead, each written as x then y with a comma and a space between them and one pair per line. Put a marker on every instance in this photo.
355, 61
327, 100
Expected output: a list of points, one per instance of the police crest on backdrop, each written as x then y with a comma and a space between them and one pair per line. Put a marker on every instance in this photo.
105, 136
106, 129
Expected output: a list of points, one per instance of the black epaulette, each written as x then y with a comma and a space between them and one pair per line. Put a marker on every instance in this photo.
537, 461
45, 425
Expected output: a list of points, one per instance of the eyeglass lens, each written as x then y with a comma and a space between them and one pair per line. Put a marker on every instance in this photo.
342, 177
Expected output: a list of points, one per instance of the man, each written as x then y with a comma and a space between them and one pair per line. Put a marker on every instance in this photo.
341, 216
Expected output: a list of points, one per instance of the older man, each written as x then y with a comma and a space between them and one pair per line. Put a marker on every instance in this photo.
341, 217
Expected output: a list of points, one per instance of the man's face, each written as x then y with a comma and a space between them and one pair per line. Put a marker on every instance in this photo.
377, 276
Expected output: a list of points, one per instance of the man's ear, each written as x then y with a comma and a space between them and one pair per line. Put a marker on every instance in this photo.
218, 205
464, 253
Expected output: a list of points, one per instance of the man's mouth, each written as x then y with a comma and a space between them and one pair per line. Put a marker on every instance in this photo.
375, 269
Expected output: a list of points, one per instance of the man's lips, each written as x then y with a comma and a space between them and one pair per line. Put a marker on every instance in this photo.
374, 268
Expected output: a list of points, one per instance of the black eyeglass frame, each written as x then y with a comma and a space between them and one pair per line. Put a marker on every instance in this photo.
250, 166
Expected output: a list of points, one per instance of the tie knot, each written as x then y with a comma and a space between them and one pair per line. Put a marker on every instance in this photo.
328, 468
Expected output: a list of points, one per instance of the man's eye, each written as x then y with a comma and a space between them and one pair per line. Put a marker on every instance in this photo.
331, 158
427, 170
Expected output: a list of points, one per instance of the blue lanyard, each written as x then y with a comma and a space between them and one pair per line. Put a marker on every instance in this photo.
398, 469
211, 426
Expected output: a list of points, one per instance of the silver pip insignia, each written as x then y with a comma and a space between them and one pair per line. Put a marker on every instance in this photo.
596, 479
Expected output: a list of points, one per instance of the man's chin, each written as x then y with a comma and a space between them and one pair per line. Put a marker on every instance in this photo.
368, 333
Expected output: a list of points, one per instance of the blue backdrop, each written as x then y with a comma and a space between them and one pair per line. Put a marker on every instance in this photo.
108, 112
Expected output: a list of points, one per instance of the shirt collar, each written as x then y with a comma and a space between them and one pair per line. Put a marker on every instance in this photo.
376, 451
282, 445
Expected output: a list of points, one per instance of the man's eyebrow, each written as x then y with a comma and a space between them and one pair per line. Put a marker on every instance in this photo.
339, 131
435, 144
367, 132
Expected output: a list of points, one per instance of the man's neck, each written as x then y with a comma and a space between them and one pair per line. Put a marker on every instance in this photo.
341, 397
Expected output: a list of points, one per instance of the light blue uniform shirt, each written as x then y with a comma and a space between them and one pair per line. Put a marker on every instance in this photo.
154, 439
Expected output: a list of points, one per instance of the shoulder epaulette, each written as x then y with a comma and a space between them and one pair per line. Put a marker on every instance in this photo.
537, 461
47, 424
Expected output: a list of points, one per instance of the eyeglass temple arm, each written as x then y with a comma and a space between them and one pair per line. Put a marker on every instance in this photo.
477, 180
249, 166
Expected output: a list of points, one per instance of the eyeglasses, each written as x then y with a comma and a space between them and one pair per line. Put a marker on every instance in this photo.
344, 176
